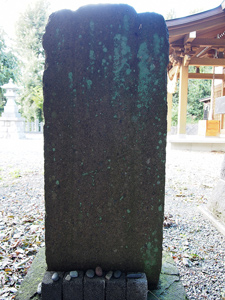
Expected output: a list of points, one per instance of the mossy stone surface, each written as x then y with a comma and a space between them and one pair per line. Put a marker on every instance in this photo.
104, 138
28, 289
169, 286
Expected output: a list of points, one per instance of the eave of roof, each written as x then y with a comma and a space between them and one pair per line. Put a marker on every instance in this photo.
200, 21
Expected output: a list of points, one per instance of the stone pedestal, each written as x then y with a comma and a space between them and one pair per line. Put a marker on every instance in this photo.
104, 139
169, 287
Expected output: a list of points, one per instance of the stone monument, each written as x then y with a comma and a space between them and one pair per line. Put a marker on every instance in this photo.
104, 140
216, 202
11, 123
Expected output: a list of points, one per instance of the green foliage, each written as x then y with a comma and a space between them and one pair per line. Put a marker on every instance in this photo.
32, 100
8, 62
197, 89
29, 30
8, 67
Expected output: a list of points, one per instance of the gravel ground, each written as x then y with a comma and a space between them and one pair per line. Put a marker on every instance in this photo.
196, 246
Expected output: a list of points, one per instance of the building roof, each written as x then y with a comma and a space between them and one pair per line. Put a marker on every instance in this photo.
206, 99
199, 39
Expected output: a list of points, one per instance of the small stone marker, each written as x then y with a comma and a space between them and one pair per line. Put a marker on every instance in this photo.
55, 276
105, 137
117, 274
90, 273
98, 271
74, 274
39, 288
109, 275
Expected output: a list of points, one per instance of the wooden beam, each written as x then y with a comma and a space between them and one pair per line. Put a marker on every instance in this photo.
189, 37
205, 76
208, 42
207, 62
200, 42
187, 59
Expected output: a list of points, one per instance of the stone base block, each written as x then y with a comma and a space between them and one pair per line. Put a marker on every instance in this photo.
137, 288
73, 289
116, 288
97, 288
169, 287
94, 288
52, 290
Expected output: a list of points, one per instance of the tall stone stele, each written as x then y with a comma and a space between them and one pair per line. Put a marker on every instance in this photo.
104, 139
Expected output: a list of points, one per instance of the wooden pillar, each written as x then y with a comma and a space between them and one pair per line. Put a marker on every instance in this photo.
182, 108
211, 111
169, 111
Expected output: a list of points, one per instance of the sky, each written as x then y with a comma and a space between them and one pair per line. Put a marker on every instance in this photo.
11, 9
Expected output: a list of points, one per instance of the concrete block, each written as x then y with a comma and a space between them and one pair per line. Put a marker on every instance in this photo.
116, 288
52, 290
137, 288
73, 289
94, 288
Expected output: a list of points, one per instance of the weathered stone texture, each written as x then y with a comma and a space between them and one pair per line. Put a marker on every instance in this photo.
73, 289
105, 137
94, 288
137, 288
116, 288
52, 290
216, 202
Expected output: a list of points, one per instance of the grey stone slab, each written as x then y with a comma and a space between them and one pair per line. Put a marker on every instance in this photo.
94, 288
36, 272
34, 276
73, 289
52, 290
116, 288
168, 266
105, 136
169, 286
137, 288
